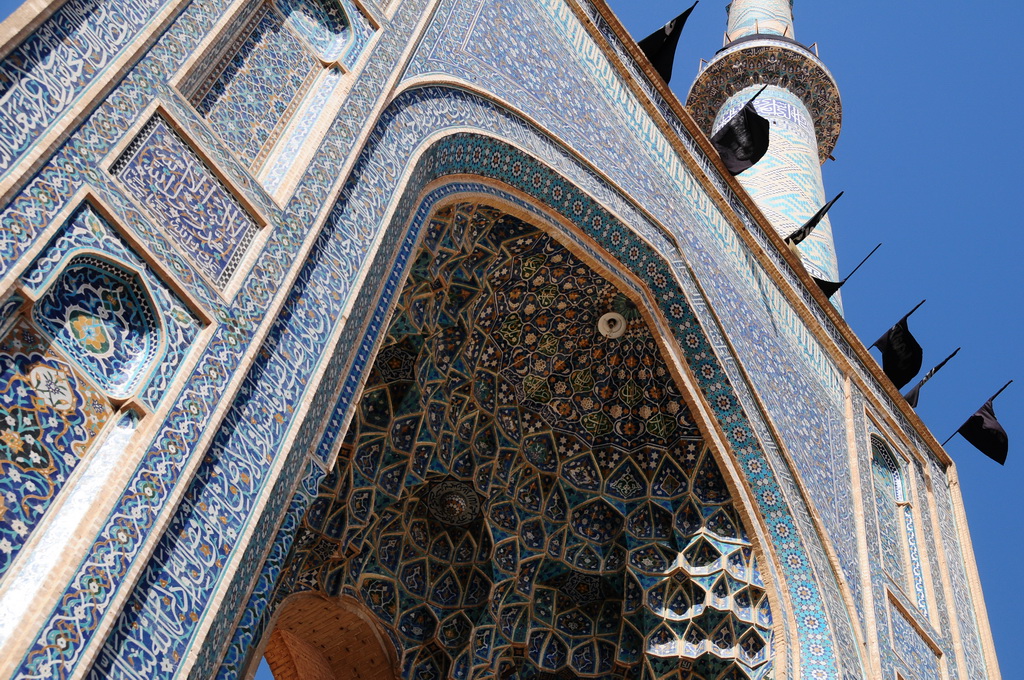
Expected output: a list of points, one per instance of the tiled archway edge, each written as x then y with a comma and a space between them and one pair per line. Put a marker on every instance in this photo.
436, 163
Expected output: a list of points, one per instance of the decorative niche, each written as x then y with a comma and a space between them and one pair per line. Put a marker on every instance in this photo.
109, 311
268, 76
92, 339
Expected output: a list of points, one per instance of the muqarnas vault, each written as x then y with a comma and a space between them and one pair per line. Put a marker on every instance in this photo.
431, 339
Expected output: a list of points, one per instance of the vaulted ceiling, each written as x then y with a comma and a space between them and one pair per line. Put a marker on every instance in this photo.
521, 495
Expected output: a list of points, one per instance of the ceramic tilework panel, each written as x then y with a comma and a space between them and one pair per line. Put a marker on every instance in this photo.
495, 384
255, 585
50, 416
747, 17
164, 174
878, 582
444, 118
44, 75
101, 315
278, 165
323, 23
888, 485
914, 553
260, 81
786, 184
569, 91
87, 232
72, 623
22, 225
929, 549
885, 587
968, 645
446, 105
919, 660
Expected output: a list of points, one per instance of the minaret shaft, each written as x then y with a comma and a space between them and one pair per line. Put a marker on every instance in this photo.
786, 184
803, 106
749, 17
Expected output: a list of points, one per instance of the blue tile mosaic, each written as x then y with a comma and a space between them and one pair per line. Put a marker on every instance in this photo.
323, 23
495, 340
158, 310
485, 160
255, 90
188, 200
45, 75
50, 416
102, 316
888, 485
233, 479
919, 660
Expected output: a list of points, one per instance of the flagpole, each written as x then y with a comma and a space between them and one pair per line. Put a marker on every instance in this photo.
1000, 390
751, 100
990, 399
928, 376
861, 262
914, 309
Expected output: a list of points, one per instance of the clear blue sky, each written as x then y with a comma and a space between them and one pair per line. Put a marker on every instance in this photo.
929, 158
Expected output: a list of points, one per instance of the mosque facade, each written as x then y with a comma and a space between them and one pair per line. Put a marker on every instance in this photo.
432, 339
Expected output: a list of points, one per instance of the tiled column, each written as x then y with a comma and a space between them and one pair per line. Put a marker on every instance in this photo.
771, 17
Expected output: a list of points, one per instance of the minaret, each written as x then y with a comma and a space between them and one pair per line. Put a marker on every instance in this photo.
801, 102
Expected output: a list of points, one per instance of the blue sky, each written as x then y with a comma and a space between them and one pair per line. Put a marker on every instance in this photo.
929, 158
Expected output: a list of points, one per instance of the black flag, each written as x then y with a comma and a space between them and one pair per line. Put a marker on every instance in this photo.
829, 288
660, 46
915, 392
901, 355
985, 433
803, 232
743, 140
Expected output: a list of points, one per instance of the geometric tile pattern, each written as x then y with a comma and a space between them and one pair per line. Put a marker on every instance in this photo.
464, 41
466, 154
919, 659
74, 621
49, 418
323, 23
525, 496
92, 35
187, 199
126, 307
157, 452
258, 83
102, 316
